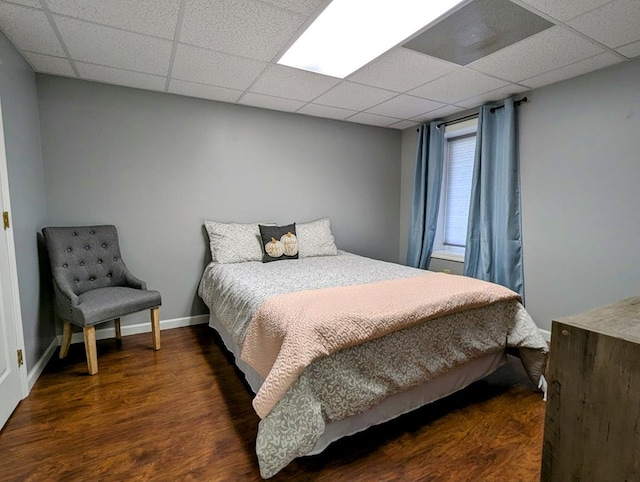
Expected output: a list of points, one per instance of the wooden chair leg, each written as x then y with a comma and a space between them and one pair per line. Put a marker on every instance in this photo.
90, 348
155, 327
66, 339
116, 322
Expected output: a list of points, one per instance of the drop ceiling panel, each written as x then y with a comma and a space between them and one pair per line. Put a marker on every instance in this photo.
227, 51
305, 7
113, 47
50, 65
203, 91
439, 113
614, 24
215, 68
477, 30
548, 50
110, 75
565, 9
250, 29
372, 119
401, 70
630, 51
405, 107
326, 111
295, 84
354, 96
29, 29
405, 124
460, 84
152, 17
269, 102
29, 3
581, 67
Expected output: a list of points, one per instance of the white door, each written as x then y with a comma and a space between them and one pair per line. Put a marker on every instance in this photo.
13, 385
10, 382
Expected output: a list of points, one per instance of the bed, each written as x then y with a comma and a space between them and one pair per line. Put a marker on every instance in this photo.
314, 395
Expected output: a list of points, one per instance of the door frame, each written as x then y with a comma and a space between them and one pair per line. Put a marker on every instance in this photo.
13, 266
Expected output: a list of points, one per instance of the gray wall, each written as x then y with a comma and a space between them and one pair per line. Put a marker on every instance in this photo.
158, 165
580, 174
580, 170
26, 186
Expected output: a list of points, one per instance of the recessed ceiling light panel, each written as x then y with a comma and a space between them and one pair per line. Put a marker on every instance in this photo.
350, 33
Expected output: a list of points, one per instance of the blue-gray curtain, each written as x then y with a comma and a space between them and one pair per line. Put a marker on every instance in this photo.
494, 240
426, 194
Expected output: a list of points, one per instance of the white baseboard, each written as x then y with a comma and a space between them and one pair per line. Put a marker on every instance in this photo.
38, 368
103, 333
546, 334
138, 328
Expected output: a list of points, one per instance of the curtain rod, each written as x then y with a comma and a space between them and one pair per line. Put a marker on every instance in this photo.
473, 116
457, 121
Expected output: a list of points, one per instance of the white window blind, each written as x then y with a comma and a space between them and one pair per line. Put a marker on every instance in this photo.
461, 152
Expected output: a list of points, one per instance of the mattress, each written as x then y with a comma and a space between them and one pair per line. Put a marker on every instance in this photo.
366, 384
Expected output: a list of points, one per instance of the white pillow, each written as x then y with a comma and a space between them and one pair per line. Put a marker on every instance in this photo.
315, 239
234, 242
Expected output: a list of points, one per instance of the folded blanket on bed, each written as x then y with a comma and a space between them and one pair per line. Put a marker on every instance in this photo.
290, 331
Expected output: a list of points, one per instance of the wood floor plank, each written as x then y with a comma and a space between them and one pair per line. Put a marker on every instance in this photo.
183, 413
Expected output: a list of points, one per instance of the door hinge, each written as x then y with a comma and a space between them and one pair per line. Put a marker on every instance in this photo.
5, 219
20, 358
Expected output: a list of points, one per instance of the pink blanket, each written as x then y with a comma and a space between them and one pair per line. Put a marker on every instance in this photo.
290, 331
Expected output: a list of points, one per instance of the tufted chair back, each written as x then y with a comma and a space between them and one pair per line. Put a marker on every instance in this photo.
85, 258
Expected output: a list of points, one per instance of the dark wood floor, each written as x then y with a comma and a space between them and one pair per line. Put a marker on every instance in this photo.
183, 414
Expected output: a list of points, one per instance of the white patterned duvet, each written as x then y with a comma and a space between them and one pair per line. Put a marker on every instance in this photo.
348, 385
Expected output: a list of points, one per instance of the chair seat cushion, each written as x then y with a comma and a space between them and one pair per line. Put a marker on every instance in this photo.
105, 304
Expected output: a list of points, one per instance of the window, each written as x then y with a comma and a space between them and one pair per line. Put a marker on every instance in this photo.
459, 153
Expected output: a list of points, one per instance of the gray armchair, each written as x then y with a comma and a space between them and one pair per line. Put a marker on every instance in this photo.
92, 285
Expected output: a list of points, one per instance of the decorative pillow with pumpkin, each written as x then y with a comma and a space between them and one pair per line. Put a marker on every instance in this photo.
279, 242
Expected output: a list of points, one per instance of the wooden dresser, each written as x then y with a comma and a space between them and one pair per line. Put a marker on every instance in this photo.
592, 424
